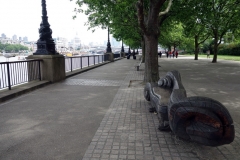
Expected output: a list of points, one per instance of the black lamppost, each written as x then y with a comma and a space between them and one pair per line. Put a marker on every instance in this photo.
129, 51
109, 49
122, 47
45, 43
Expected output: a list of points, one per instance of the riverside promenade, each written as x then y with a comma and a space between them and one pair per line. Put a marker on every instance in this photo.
101, 114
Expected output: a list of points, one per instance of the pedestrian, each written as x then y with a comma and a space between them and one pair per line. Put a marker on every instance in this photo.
176, 54
160, 54
167, 54
170, 54
208, 54
173, 53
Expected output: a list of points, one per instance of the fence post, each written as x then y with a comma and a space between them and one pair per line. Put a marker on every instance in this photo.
39, 70
88, 61
8, 75
71, 64
81, 62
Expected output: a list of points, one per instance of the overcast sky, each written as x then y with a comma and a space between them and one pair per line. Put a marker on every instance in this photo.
23, 18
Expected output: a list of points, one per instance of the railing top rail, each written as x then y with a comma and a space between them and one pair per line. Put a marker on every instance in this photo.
29, 60
84, 56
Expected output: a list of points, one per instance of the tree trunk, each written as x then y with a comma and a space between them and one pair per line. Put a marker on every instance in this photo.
215, 48
149, 23
169, 48
196, 48
143, 49
151, 58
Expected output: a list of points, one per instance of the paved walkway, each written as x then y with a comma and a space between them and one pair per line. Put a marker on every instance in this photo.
102, 114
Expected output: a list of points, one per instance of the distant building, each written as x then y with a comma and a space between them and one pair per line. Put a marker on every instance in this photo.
14, 37
4, 36
76, 43
20, 38
6, 41
61, 44
32, 46
25, 39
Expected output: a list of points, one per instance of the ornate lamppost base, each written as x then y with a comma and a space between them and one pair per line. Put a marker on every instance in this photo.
45, 48
45, 44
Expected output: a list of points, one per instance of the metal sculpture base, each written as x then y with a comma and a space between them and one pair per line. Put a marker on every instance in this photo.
198, 119
45, 48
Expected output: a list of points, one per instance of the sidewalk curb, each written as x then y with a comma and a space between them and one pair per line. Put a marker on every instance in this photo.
21, 89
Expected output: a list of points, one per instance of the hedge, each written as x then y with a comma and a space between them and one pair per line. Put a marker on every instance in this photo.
229, 49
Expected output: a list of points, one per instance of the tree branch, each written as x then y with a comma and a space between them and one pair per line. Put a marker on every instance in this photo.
164, 17
204, 39
167, 9
140, 13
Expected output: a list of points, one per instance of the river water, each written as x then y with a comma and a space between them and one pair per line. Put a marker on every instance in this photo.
3, 59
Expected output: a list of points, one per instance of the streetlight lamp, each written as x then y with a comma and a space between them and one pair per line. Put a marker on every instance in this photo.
45, 43
122, 47
52, 67
109, 49
129, 53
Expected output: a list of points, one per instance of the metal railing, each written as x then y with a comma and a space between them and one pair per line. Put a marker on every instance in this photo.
79, 62
117, 55
19, 72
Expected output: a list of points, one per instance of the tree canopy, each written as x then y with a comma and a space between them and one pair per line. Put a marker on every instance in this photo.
211, 19
170, 23
12, 47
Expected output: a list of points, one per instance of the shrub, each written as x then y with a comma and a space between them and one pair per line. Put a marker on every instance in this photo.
229, 49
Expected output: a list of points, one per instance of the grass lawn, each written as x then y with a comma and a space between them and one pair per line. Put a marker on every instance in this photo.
225, 57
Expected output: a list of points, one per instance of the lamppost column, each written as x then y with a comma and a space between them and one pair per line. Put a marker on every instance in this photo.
122, 51
109, 49
45, 43
129, 53
122, 47
52, 66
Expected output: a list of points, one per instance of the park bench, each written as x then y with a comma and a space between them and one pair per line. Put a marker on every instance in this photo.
199, 119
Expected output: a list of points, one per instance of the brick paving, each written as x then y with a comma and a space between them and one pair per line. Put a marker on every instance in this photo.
129, 131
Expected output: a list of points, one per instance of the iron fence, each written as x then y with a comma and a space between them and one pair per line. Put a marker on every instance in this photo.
117, 55
19, 72
79, 62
